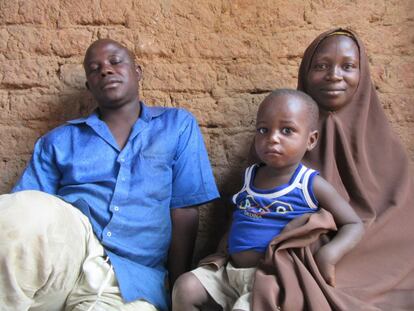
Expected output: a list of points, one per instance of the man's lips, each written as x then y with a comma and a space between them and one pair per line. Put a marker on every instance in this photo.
110, 84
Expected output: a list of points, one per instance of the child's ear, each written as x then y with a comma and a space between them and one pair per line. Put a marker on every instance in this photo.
312, 140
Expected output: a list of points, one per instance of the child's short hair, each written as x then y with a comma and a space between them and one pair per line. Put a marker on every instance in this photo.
313, 109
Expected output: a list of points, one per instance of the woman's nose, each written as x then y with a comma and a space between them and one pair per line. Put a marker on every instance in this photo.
334, 73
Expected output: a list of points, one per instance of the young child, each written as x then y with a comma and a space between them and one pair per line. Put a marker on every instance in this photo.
275, 191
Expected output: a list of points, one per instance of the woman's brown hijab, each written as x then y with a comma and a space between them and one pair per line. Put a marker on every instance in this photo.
360, 155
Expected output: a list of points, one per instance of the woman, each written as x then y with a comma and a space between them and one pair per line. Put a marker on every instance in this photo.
360, 155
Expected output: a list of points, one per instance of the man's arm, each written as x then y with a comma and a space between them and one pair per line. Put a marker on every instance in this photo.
184, 232
41, 172
350, 228
193, 184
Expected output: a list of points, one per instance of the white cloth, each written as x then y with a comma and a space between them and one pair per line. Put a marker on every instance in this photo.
51, 260
230, 287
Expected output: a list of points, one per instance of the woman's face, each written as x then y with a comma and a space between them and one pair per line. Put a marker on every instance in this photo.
333, 76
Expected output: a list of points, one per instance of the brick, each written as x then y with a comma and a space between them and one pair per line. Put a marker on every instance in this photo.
401, 9
79, 12
4, 100
28, 73
96, 12
73, 76
148, 45
179, 77
218, 46
258, 77
393, 73
16, 141
42, 12
24, 41
4, 38
120, 34
48, 108
156, 98
201, 105
11, 170
114, 12
71, 42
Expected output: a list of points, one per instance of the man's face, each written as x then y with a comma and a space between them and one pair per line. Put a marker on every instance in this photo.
112, 76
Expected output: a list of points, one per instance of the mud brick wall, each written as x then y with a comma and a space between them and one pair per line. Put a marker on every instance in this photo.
217, 58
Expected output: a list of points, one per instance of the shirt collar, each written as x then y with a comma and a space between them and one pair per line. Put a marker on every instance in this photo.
147, 113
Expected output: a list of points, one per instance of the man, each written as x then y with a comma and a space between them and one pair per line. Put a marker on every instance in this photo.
130, 169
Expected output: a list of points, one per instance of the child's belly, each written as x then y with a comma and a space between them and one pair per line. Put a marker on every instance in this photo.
246, 259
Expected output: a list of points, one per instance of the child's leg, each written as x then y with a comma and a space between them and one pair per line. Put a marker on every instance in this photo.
189, 294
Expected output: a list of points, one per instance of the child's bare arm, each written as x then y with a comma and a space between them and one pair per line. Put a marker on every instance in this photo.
350, 228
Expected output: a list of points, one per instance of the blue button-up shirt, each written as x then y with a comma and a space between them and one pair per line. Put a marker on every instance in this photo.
127, 194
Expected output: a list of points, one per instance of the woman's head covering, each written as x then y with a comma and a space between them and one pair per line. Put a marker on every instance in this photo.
365, 161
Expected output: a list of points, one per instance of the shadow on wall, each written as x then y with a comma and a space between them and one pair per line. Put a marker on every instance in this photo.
26, 124
215, 217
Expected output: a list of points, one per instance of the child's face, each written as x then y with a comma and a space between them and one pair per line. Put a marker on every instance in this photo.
333, 76
283, 133
112, 76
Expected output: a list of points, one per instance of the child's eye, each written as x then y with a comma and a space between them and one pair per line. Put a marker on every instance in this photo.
287, 131
262, 130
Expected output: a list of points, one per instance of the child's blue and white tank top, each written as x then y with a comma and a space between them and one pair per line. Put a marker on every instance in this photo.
260, 215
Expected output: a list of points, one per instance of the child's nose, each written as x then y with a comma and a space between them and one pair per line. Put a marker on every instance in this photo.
275, 137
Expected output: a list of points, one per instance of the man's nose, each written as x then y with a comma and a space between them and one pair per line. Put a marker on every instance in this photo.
106, 70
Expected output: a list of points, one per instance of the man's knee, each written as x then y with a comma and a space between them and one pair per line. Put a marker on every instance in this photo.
34, 212
43, 247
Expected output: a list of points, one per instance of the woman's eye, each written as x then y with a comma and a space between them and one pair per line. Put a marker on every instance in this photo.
262, 130
321, 66
349, 66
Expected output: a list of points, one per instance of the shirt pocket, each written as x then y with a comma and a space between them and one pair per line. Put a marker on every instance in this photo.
156, 174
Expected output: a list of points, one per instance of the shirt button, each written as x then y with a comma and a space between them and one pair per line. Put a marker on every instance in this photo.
122, 160
109, 233
116, 208
123, 178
